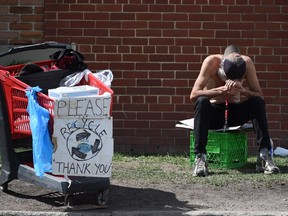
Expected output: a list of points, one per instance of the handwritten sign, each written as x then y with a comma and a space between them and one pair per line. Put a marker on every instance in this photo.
83, 147
83, 107
98, 168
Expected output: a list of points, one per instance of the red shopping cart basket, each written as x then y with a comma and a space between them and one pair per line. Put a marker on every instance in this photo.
17, 101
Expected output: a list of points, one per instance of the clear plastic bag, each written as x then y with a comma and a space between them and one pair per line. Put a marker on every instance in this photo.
73, 79
105, 76
41, 141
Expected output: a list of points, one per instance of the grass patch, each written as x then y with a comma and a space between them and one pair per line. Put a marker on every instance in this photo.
158, 169
167, 169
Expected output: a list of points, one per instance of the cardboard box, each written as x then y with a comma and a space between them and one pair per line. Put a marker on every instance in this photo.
83, 107
83, 147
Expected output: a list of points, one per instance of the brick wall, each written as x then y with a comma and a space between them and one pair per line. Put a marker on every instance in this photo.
21, 22
155, 49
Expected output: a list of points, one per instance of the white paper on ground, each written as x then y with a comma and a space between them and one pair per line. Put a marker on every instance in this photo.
281, 151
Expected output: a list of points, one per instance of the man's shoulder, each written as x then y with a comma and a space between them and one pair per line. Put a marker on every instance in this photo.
246, 58
216, 58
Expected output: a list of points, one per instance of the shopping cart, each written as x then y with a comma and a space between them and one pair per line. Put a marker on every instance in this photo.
15, 128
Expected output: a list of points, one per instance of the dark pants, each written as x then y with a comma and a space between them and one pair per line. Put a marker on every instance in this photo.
212, 116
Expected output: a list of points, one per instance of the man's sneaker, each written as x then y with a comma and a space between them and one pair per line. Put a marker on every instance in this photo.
200, 166
266, 164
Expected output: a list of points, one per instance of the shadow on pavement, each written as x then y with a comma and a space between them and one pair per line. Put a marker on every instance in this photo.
127, 198
28, 197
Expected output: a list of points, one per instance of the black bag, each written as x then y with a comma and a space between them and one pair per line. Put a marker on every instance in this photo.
69, 59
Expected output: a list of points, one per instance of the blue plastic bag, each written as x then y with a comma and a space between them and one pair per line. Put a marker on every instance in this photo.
41, 142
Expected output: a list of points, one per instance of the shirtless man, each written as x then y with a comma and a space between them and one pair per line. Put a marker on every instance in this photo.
219, 87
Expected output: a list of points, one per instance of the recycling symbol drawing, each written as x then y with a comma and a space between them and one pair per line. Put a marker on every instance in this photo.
83, 144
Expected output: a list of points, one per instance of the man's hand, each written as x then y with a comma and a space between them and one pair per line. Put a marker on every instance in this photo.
233, 87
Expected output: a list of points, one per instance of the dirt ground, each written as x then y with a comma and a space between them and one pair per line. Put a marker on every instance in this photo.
130, 196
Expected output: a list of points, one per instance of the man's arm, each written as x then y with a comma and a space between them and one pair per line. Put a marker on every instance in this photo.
254, 88
208, 69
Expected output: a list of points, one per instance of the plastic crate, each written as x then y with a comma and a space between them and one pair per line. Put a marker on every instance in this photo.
224, 149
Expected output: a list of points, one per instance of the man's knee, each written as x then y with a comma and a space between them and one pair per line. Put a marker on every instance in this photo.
202, 103
256, 101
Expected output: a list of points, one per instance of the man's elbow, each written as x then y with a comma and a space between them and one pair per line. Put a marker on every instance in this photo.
193, 97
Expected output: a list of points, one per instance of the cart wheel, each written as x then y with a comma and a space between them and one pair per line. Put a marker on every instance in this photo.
4, 187
68, 200
102, 197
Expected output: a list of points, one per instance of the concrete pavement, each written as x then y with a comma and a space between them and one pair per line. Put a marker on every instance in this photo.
147, 213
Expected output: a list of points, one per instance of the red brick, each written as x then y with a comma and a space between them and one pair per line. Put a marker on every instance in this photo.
70, 32
82, 8
21, 26
159, 58
10, 2
83, 24
175, 33
94, 32
135, 24
162, 91
148, 33
108, 57
135, 8
32, 18
108, 41
9, 18
161, 75
187, 9
137, 90
209, 26
147, 66
125, 82
175, 83
176, 17
122, 16
148, 16
31, 2
162, 8
138, 99
135, 57
162, 49
170, 125
149, 82
134, 41
4, 9
96, 16
163, 41
21, 10
278, 34
70, 16
31, 34
148, 133
9, 35
108, 7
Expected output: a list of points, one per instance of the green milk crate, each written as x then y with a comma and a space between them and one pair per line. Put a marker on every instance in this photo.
224, 149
